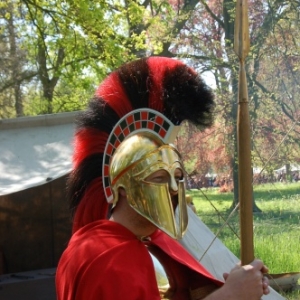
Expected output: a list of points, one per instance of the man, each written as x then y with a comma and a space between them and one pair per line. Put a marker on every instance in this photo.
127, 182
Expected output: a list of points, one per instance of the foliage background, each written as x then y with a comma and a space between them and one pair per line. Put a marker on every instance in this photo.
54, 53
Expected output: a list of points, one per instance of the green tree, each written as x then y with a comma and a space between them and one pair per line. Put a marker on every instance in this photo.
65, 48
213, 45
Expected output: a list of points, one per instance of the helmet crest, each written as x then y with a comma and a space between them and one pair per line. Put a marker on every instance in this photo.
151, 94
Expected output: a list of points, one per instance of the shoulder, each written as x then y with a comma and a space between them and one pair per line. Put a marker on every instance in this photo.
106, 260
102, 240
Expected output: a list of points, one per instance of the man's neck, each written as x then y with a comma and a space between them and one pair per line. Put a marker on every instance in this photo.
139, 226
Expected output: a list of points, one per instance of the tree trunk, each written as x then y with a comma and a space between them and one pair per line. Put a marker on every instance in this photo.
15, 64
48, 83
18, 100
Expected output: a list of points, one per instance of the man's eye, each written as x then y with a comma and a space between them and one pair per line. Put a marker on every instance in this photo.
159, 179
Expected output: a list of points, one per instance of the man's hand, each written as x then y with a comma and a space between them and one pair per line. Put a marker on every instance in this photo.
244, 282
249, 280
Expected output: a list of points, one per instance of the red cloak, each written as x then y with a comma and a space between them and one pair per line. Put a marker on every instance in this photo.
106, 261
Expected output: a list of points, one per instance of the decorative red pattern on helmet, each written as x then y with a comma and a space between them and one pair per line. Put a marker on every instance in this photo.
140, 120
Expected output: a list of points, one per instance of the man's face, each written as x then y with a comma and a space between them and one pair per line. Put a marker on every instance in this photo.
162, 176
153, 183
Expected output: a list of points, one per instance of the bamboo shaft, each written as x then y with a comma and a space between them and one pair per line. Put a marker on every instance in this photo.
241, 48
245, 171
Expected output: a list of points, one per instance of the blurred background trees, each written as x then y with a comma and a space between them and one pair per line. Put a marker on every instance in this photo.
54, 54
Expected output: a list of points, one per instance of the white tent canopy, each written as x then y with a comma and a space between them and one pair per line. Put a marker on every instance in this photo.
34, 150
293, 168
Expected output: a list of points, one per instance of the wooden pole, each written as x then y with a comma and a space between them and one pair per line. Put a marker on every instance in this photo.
241, 48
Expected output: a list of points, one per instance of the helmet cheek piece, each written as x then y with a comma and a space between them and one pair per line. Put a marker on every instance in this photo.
182, 209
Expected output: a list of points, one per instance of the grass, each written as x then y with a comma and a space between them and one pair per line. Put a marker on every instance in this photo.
276, 228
